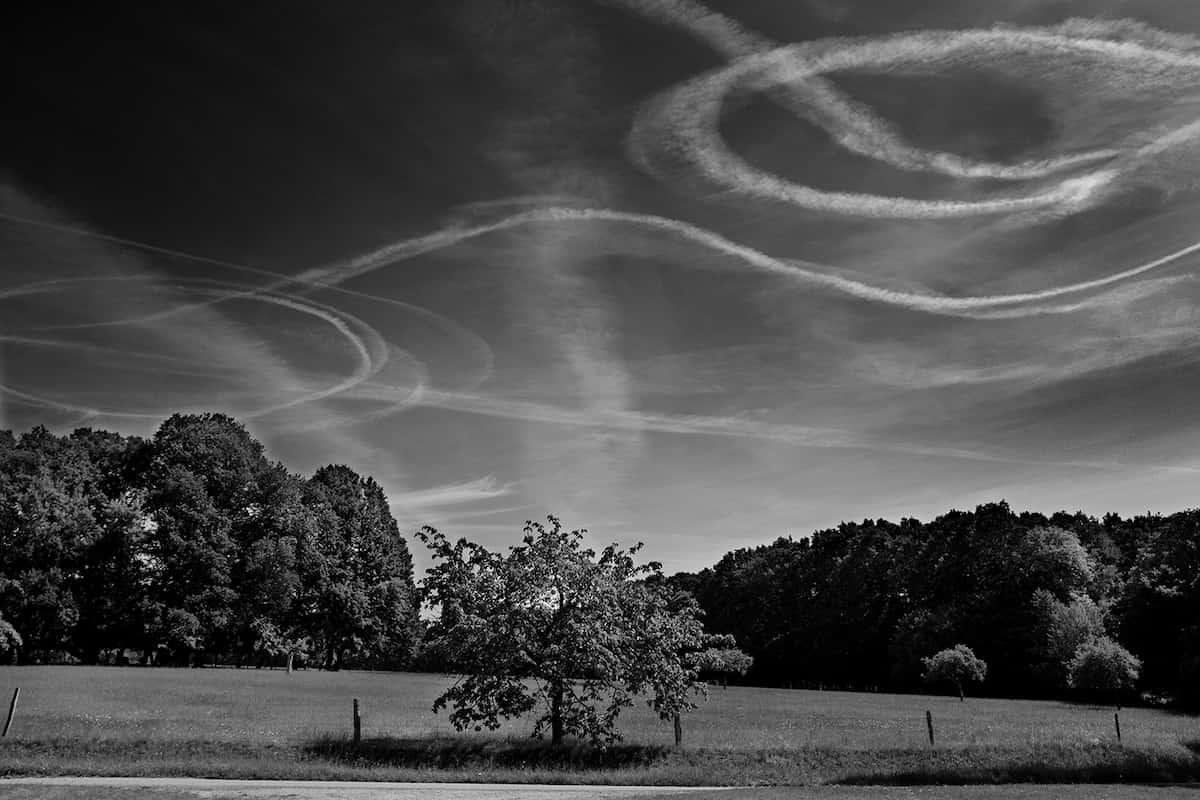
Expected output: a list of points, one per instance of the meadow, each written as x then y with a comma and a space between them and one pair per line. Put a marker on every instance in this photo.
242, 723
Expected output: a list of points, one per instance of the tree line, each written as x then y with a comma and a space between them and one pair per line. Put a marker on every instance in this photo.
860, 605
190, 547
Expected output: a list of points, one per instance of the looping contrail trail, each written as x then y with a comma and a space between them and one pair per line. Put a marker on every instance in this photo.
682, 125
369, 347
278, 282
681, 128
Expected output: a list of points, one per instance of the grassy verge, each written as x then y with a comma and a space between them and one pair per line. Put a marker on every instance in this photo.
498, 760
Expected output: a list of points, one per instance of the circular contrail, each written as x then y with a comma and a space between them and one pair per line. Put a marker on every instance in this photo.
852, 124
681, 126
278, 282
367, 364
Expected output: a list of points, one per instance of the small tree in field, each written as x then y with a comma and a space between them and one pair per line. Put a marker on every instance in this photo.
1102, 665
957, 665
552, 628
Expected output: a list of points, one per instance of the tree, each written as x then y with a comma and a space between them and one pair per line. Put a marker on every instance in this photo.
1102, 665
722, 658
10, 642
1064, 628
552, 626
957, 665
364, 608
203, 488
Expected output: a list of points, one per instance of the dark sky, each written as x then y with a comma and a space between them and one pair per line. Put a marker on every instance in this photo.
699, 275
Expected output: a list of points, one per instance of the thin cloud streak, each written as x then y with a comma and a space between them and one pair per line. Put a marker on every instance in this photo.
452, 494
796, 270
736, 427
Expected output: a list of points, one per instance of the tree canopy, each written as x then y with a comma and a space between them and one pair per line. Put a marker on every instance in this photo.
1102, 665
957, 665
553, 628
191, 545
860, 605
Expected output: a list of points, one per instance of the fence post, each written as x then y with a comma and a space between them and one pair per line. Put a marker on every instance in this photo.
12, 711
929, 725
357, 724
1117, 722
678, 731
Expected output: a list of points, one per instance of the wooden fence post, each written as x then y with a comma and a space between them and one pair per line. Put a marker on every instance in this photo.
12, 711
929, 725
678, 731
357, 725
1117, 722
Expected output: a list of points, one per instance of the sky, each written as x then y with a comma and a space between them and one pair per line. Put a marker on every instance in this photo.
694, 275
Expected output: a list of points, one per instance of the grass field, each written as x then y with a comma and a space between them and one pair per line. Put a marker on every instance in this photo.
238, 723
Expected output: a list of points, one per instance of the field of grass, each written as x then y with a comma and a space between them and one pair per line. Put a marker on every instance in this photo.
241, 723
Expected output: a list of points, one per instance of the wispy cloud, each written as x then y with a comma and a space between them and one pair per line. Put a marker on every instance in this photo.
451, 494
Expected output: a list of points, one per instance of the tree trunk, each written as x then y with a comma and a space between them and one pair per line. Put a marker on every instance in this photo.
962, 698
291, 660
556, 711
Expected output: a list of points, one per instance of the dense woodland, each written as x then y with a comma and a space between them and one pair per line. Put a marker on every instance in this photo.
860, 605
192, 547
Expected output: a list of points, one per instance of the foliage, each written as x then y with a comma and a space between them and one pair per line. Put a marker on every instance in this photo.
363, 604
859, 605
10, 641
193, 546
957, 665
1103, 665
1064, 628
553, 628
721, 658
177, 548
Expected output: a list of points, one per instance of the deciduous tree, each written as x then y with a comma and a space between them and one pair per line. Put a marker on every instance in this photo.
553, 628
957, 665
1102, 665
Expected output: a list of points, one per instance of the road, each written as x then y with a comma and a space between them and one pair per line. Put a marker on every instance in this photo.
153, 788
208, 789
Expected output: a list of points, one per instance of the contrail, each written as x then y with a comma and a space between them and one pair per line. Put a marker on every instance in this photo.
735, 427
682, 123
799, 271
333, 275
393, 404
853, 125
356, 386
367, 365
278, 283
